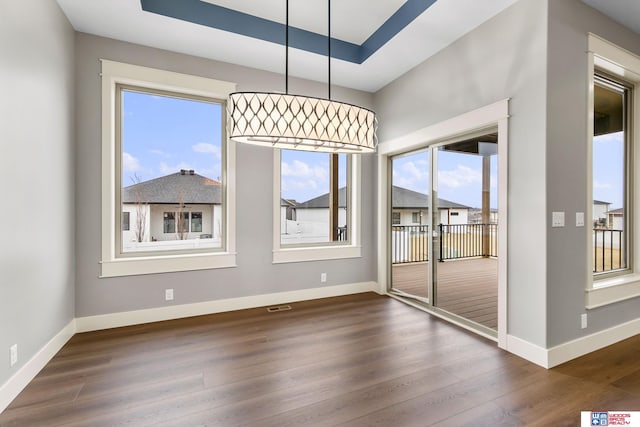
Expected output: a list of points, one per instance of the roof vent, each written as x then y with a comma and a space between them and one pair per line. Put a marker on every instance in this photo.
191, 172
183, 171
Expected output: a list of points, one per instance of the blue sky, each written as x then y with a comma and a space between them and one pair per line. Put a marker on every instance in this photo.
608, 168
305, 174
459, 176
162, 135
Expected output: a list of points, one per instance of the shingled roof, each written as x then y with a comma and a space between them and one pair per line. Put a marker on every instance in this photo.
185, 186
402, 198
409, 199
323, 201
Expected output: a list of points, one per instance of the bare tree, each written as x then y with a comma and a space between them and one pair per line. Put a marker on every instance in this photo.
141, 210
182, 220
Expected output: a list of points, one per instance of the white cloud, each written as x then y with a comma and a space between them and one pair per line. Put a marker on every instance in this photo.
413, 175
130, 163
168, 169
203, 147
290, 185
302, 181
601, 185
414, 171
462, 176
299, 169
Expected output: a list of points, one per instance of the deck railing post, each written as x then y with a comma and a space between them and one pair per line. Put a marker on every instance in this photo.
412, 243
441, 237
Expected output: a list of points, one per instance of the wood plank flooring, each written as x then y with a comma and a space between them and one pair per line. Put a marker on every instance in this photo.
359, 360
468, 288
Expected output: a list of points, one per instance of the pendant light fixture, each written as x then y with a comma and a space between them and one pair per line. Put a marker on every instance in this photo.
297, 122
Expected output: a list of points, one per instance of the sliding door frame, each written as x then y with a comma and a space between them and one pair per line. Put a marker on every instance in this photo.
491, 118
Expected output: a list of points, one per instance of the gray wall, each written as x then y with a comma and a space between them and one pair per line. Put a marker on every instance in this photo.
569, 23
255, 273
503, 58
36, 177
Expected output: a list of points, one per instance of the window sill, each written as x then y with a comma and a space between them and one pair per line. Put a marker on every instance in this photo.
166, 264
316, 253
609, 291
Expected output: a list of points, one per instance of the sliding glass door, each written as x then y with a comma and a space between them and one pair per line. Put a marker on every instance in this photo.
444, 229
410, 224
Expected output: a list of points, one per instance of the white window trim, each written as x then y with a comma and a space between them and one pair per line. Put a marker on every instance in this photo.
317, 253
618, 62
114, 73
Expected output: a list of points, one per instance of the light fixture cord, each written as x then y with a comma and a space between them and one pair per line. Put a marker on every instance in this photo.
286, 55
329, 48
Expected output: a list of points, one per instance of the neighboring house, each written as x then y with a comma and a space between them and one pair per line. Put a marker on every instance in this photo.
615, 219
180, 206
311, 218
600, 210
411, 208
475, 216
288, 216
317, 209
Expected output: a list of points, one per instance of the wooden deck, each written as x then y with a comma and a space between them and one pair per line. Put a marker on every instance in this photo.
468, 288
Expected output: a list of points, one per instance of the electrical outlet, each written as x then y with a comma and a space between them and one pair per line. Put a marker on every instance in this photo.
323, 277
14, 354
583, 320
168, 294
557, 219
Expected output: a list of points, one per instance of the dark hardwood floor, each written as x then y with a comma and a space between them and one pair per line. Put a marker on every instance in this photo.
361, 360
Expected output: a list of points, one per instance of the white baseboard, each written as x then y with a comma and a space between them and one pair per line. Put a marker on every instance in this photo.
548, 358
29, 370
579, 347
15, 384
114, 320
526, 350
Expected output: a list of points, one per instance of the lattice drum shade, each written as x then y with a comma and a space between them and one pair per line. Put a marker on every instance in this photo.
300, 123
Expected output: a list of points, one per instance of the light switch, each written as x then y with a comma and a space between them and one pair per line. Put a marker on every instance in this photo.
557, 219
579, 219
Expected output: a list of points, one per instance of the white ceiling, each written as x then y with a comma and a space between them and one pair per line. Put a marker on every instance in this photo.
352, 20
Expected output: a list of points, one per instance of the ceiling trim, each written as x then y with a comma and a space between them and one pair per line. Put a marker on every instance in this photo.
214, 16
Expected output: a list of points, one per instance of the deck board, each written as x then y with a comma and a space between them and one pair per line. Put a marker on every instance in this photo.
468, 287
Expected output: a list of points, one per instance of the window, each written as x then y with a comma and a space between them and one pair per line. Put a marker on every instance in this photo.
614, 112
169, 222
317, 205
455, 213
318, 185
159, 132
188, 222
395, 218
610, 174
164, 143
125, 221
415, 217
196, 222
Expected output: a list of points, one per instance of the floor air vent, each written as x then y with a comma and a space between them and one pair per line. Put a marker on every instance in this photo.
279, 308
